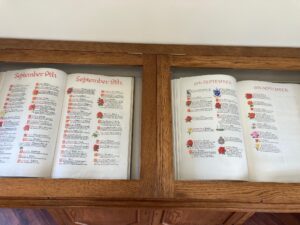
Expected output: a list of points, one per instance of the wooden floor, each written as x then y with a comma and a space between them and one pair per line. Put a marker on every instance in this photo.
25, 217
274, 219
43, 217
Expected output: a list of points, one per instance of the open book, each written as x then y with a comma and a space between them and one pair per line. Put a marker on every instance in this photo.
229, 130
65, 126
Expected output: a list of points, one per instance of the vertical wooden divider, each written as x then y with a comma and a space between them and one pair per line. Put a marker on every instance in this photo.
149, 154
164, 132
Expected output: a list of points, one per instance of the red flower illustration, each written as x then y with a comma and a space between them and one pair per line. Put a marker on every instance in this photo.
218, 105
189, 143
248, 95
221, 150
188, 102
26, 128
96, 148
99, 115
35, 92
250, 103
69, 91
251, 115
188, 119
31, 107
100, 101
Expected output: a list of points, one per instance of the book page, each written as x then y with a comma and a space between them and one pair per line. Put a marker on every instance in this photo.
209, 142
271, 120
30, 107
1, 79
95, 134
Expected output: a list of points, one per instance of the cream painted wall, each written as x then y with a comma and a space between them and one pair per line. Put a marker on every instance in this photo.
227, 22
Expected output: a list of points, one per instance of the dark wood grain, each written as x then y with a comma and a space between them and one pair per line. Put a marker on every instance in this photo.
149, 156
69, 57
202, 50
164, 112
60, 216
238, 218
237, 62
67, 188
194, 217
138, 216
254, 192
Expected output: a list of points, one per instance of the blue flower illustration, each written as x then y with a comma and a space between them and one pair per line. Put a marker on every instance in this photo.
217, 92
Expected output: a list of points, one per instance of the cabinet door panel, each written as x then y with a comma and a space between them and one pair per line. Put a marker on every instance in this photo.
133, 216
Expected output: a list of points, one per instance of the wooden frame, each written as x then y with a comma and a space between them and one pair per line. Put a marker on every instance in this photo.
232, 195
52, 192
157, 187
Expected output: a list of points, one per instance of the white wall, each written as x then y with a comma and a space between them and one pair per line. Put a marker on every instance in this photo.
227, 22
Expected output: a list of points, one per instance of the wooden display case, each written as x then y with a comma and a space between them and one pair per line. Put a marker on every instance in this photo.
156, 186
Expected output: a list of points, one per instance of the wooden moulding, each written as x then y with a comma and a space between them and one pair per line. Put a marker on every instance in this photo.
156, 187
156, 49
69, 57
236, 62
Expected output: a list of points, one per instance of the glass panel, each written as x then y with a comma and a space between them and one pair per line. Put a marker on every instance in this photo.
239, 74
223, 130
120, 71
